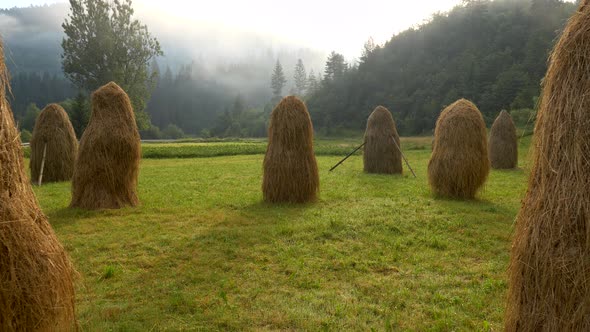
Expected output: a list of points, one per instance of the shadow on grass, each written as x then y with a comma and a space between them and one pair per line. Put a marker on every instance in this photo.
67, 215
476, 204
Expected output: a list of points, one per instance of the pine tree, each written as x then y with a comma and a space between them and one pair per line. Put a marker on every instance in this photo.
368, 48
278, 81
335, 66
312, 83
300, 78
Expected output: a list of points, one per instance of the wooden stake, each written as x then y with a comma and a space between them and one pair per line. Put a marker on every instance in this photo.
350, 154
406, 160
42, 164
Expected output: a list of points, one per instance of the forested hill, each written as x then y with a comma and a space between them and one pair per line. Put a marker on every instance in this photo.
491, 52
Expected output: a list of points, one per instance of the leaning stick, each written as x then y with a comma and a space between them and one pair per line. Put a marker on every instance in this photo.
42, 164
406, 160
350, 154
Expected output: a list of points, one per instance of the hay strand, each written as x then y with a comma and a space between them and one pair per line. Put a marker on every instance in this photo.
503, 145
53, 133
381, 154
107, 168
290, 167
459, 164
36, 274
549, 284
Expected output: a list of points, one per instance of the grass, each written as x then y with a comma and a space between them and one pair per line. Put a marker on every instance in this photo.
216, 148
202, 252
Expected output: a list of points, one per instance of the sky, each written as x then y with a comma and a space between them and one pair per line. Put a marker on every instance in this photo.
323, 25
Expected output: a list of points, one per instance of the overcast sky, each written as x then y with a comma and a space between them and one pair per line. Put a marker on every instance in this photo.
325, 25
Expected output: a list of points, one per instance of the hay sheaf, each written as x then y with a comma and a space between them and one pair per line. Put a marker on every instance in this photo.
107, 166
459, 164
54, 132
503, 145
290, 167
549, 273
36, 274
381, 155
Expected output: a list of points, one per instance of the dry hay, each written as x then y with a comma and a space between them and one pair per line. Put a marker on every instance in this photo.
36, 274
503, 145
53, 131
381, 155
459, 164
549, 274
107, 168
290, 167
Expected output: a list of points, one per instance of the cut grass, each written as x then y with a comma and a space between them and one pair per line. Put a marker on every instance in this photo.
377, 252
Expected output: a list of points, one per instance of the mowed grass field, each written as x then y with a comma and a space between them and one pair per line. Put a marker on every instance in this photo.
203, 252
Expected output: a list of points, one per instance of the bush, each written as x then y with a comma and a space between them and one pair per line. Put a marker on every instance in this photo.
205, 133
152, 132
524, 116
173, 132
25, 136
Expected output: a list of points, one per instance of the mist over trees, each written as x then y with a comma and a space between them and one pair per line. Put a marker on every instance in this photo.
202, 81
491, 52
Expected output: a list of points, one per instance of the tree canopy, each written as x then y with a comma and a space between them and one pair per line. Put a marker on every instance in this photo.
104, 43
491, 52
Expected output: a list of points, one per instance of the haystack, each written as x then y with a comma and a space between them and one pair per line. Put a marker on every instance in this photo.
290, 167
36, 274
54, 134
503, 145
459, 164
107, 168
549, 274
381, 154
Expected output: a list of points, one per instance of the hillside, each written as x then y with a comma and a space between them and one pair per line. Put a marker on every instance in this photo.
493, 53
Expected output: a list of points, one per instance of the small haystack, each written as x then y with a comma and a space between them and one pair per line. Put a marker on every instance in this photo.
290, 167
381, 155
36, 274
55, 135
459, 164
107, 169
549, 274
503, 145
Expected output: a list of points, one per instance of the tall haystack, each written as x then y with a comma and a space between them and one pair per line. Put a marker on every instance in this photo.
54, 135
503, 145
381, 155
107, 168
36, 274
459, 164
290, 167
549, 273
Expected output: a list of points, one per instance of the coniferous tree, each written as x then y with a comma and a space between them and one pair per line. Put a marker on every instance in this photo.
312, 83
300, 78
335, 66
277, 81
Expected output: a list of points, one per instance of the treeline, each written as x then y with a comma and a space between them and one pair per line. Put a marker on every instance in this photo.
31, 91
491, 52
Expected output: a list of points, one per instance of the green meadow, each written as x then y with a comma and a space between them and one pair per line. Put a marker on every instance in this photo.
203, 252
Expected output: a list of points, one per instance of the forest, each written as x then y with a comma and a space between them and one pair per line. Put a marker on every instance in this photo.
491, 52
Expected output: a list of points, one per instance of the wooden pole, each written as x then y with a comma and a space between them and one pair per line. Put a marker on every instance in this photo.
406, 160
42, 164
350, 154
